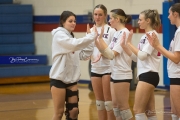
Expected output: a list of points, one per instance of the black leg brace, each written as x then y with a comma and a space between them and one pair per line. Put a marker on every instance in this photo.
70, 106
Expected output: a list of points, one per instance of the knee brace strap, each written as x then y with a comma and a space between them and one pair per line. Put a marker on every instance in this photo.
100, 105
70, 93
108, 105
126, 114
70, 106
116, 112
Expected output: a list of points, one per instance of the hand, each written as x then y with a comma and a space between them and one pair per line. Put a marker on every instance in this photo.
88, 58
122, 41
129, 39
153, 39
97, 42
124, 45
100, 43
88, 29
95, 30
101, 34
97, 59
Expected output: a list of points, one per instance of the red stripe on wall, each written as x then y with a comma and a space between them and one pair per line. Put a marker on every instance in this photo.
44, 27
138, 30
79, 28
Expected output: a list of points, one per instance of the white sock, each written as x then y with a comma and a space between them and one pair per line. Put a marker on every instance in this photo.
141, 116
152, 118
174, 117
179, 118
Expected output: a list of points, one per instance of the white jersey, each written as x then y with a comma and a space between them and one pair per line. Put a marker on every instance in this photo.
103, 65
66, 52
152, 62
174, 69
121, 64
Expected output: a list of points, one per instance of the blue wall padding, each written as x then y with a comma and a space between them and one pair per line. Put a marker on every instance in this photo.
13, 18
24, 71
16, 38
168, 34
15, 28
6, 1
15, 9
13, 60
80, 19
17, 49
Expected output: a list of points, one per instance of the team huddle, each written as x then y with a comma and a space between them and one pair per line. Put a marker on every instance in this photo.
110, 48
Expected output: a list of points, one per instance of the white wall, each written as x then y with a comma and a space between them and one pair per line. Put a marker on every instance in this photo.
55, 7
80, 7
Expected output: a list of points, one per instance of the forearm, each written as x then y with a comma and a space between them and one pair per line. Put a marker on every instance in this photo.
173, 57
130, 53
102, 44
108, 53
133, 49
86, 52
127, 50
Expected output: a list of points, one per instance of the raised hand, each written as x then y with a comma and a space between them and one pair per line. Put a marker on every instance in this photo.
88, 29
153, 39
99, 39
95, 30
124, 45
102, 32
100, 43
129, 39
123, 41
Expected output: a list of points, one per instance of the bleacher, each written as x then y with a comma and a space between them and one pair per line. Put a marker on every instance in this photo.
17, 39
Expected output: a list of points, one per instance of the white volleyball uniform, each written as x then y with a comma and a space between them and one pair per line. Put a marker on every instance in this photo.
152, 62
103, 65
121, 64
174, 69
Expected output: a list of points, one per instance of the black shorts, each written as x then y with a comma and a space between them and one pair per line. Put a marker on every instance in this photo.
99, 75
60, 84
150, 77
174, 81
118, 81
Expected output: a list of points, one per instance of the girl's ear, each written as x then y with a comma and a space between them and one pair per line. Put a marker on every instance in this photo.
148, 20
117, 18
175, 14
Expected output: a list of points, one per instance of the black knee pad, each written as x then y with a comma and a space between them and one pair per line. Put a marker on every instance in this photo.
70, 106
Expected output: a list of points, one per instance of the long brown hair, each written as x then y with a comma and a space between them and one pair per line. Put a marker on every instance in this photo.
64, 16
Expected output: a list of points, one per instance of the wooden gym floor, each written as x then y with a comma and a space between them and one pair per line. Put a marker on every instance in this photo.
33, 102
